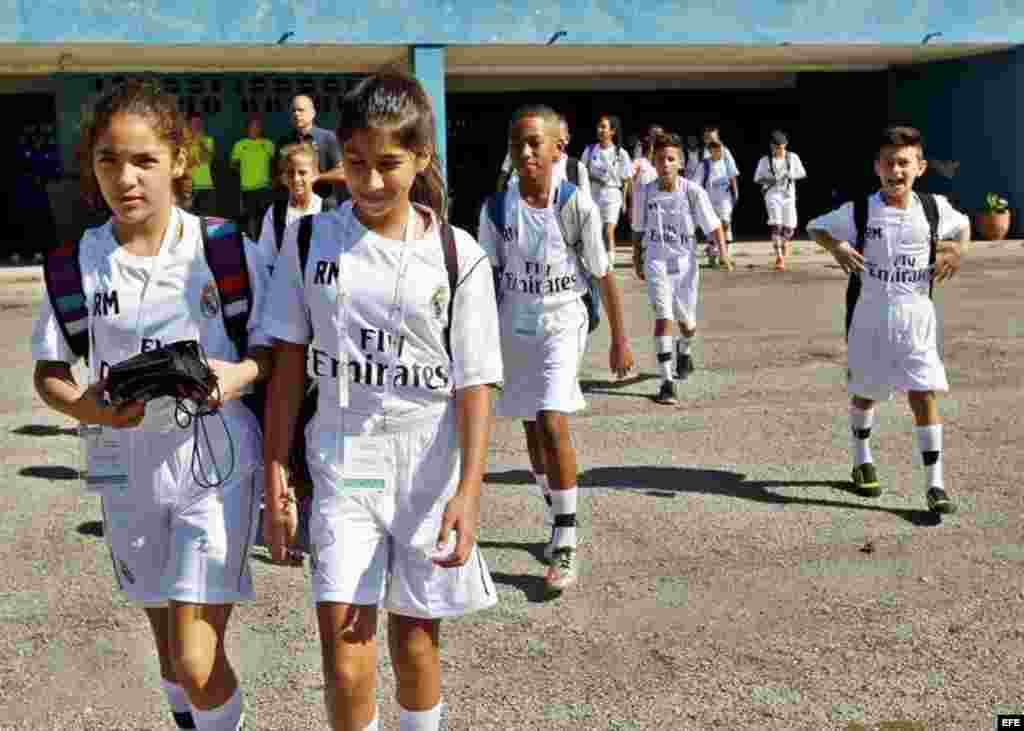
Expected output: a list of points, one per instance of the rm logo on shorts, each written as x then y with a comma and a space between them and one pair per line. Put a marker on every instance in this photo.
209, 302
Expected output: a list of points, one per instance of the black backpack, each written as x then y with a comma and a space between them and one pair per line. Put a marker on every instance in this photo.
860, 222
280, 218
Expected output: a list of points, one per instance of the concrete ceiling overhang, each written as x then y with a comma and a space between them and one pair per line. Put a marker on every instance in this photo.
480, 60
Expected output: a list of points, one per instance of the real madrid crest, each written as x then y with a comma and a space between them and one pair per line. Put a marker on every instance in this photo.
439, 303
209, 302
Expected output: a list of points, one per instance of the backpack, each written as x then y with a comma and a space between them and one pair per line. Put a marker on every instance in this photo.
860, 222
707, 172
280, 218
496, 212
589, 154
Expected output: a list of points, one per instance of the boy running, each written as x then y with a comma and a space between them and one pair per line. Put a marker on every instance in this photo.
777, 174
667, 258
891, 330
549, 240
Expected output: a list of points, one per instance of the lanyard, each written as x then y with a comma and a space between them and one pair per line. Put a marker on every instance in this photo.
175, 225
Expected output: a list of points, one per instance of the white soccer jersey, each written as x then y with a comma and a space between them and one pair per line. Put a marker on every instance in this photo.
896, 244
671, 219
268, 246
609, 169
645, 174
718, 174
538, 268
786, 171
139, 303
389, 290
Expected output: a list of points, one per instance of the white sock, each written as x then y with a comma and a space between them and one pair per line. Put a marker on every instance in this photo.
683, 345
372, 726
226, 718
564, 504
663, 346
177, 698
544, 490
860, 434
429, 720
929, 439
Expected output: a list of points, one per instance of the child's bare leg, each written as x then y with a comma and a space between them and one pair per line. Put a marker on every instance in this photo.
416, 656
537, 463
348, 645
929, 439
561, 456
862, 417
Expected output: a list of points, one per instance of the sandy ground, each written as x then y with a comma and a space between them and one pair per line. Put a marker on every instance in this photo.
730, 578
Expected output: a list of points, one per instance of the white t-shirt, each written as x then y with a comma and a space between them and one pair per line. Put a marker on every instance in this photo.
127, 317
720, 173
671, 219
268, 246
609, 167
645, 173
392, 289
896, 246
726, 155
785, 171
537, 267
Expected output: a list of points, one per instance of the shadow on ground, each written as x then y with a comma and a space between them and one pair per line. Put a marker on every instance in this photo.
44, 430
50, 472
611, 388
670, 482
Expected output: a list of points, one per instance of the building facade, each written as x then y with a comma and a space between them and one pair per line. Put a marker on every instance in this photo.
830, 73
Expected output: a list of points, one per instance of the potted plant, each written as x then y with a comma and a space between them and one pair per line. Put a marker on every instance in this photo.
993, 222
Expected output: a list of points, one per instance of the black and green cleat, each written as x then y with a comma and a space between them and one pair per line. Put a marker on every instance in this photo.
939, 501
865, 480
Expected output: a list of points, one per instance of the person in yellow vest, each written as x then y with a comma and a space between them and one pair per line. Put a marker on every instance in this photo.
202, 150
252, 157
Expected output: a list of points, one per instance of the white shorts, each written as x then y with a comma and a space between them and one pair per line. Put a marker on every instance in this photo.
193, 550
542, 372
374, 548
722, 205
893, 347
781, 210
672, 287
609, 203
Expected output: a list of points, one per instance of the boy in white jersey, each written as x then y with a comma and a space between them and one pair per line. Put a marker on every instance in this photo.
300, 163
718, 176
891, 328
547, 243
667, 258
777, 174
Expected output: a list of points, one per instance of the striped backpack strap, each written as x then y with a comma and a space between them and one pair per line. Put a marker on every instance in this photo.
224, 247
62, 273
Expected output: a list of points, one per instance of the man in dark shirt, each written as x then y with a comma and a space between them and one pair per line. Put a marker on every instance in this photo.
326, 145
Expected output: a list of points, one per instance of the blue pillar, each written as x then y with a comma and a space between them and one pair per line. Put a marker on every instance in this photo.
428, 68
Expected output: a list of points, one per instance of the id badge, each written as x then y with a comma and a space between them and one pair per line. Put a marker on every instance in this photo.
369, 464
673, 265
527, 321
103, 465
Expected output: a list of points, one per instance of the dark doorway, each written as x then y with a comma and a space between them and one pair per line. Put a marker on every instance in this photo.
31, 158
835, 147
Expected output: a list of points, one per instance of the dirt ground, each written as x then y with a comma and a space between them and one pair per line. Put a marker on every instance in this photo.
730, 580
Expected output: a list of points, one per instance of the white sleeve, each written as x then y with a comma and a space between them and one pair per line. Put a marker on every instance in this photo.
267, 245
625, 165
490, 239
585, 157
259, 283
763, 171
705, 214
838, 224
286, 316
48, 341
951, 221
798, 172
475, 338
592, 251
506, 164
731, 170
639, 208
584, 177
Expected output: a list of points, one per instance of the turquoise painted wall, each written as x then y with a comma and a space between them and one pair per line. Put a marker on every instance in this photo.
969, 111
510, 21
